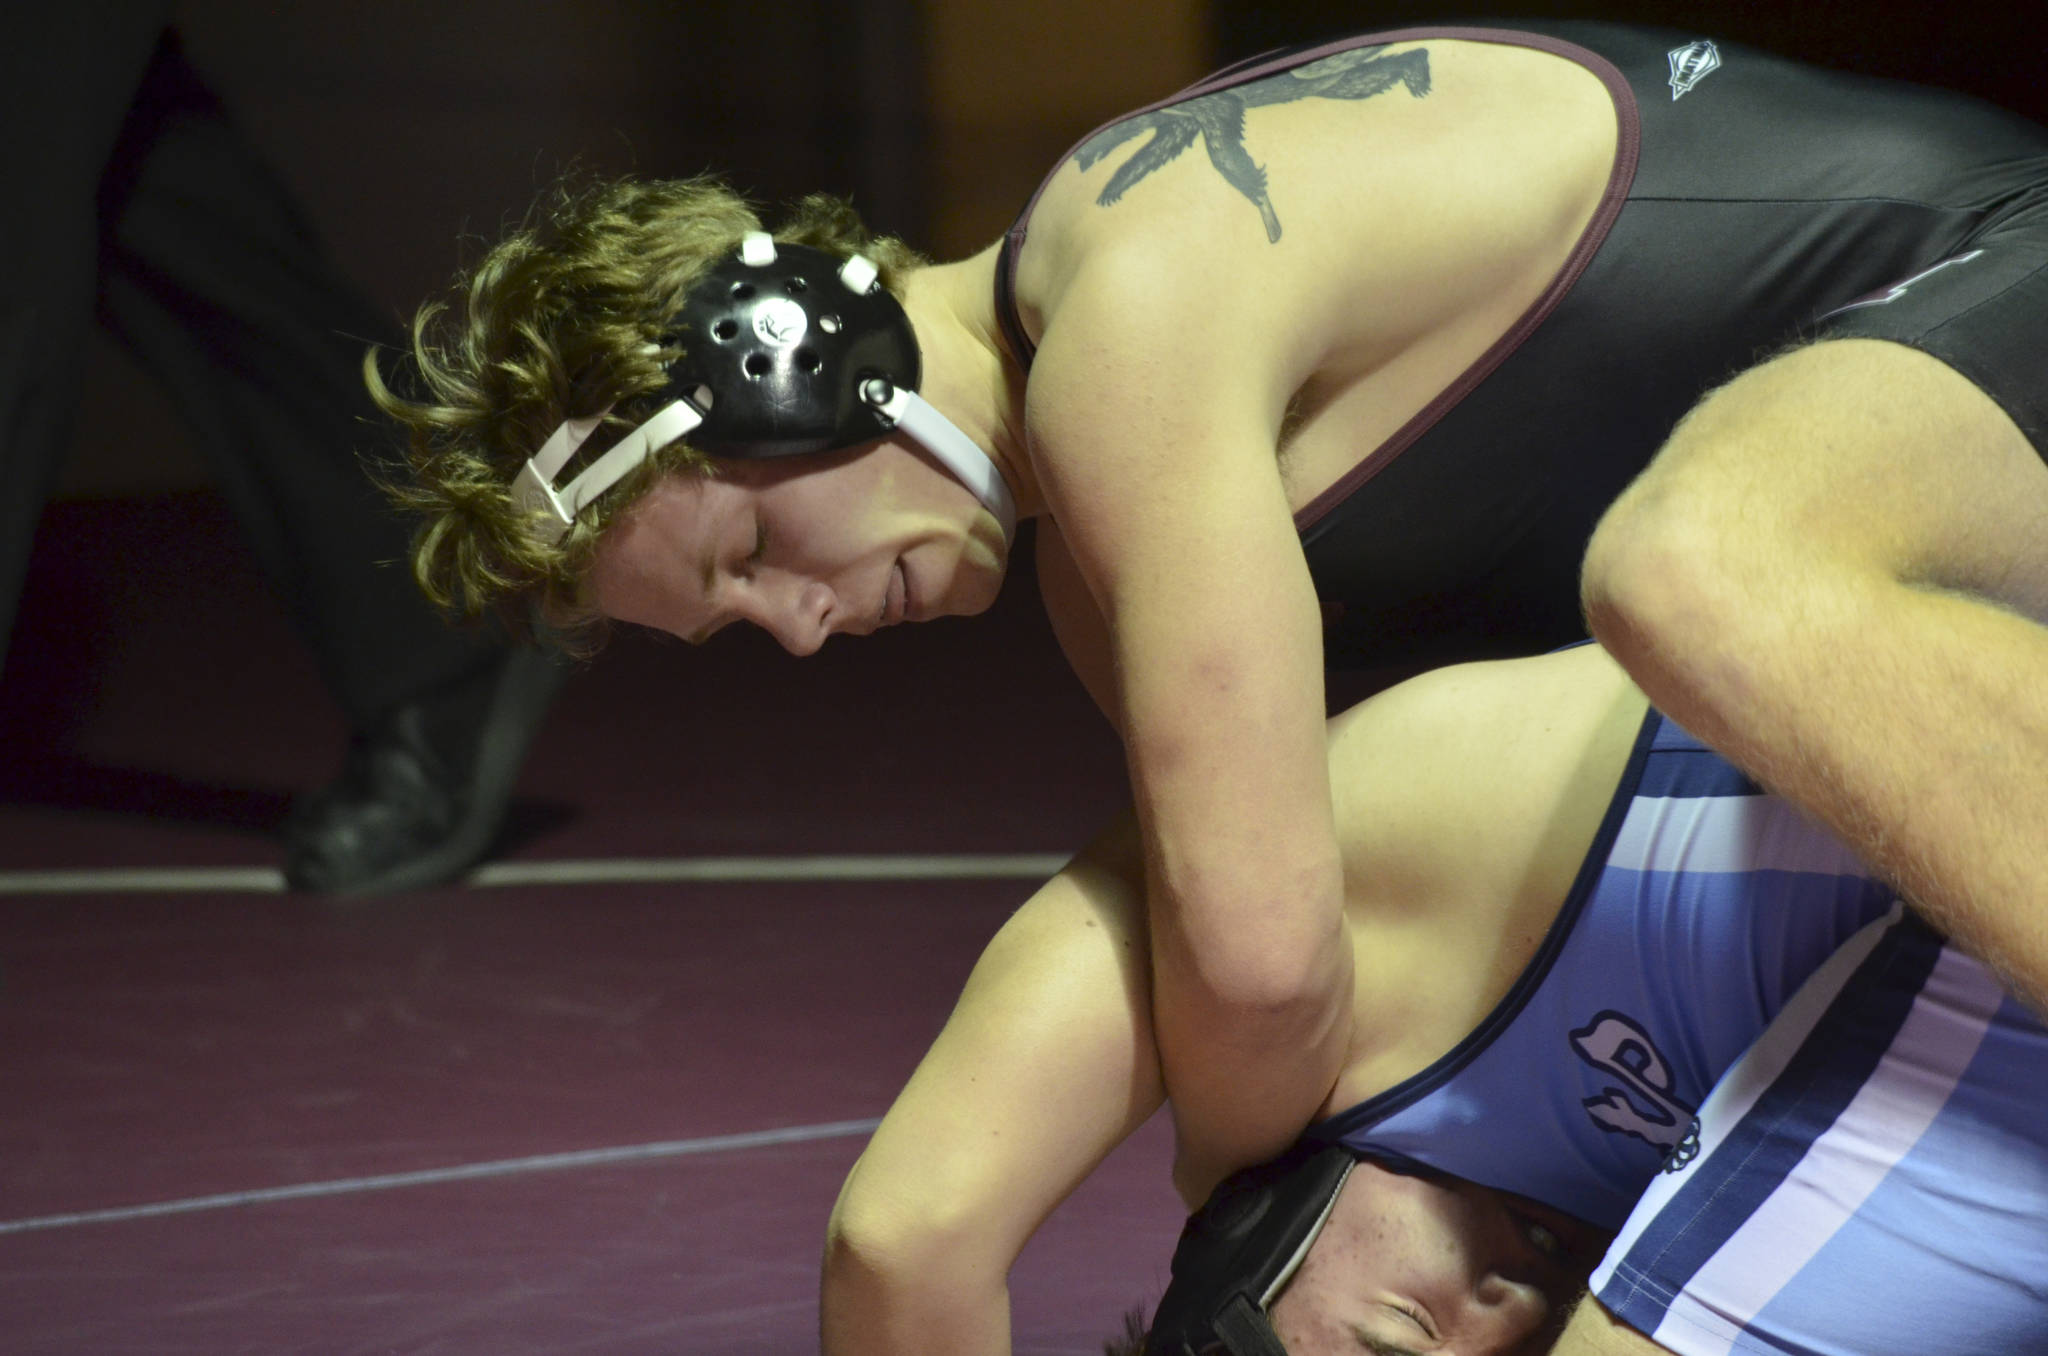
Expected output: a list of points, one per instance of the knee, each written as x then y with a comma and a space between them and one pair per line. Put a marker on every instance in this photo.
1713, 544
1661, 569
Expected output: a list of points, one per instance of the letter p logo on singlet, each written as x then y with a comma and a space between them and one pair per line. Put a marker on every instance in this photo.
1643, 1106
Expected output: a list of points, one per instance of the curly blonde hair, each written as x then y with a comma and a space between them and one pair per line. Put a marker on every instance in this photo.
560, 320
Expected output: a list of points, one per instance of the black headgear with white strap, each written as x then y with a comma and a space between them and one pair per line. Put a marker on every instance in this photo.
1238, 1251
786, 351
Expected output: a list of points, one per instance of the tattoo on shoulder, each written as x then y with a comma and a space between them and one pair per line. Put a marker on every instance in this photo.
1218, 120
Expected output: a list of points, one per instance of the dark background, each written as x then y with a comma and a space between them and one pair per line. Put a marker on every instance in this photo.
155, 712
1992, 51
414, 129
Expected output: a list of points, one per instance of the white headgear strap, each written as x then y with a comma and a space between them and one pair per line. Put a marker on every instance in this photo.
922, 423
534, 489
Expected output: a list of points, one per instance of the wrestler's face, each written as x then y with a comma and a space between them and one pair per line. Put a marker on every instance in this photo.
1410, 1265
802, 547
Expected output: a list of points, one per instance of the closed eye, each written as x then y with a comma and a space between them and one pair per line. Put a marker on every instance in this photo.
745, 571
708, 584
1377, 1345
1422, 1324
1380, 1346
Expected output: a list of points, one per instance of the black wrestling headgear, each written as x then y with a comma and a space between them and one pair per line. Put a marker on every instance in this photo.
1239, 1249
785, 339
786, 351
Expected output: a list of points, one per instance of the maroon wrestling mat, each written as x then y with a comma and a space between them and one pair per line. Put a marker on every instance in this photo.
595, 1115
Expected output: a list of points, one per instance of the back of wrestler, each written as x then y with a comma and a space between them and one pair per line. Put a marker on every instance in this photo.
1398, 208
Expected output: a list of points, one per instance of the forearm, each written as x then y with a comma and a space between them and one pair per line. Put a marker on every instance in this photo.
1229, 758
1252, 1031
1044, 1066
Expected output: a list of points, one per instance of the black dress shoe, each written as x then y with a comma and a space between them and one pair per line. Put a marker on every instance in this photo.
423, 795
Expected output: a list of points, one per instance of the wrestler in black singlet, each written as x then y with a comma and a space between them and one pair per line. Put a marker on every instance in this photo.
1755, 203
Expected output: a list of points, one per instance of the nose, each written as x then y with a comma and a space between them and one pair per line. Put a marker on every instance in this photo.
797, 611
1513, 1310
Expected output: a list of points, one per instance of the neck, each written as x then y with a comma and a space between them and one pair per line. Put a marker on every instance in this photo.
968, 372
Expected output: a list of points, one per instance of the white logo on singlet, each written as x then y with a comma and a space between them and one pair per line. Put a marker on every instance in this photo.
1898, 289
1691, 64
780, 321
1644, 1105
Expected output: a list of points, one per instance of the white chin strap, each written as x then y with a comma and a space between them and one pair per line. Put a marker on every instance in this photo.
921, 422
902, 409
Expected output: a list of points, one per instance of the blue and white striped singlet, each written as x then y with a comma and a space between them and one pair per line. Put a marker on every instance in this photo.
1703, 905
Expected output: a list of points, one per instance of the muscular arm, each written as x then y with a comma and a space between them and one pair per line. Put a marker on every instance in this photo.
1045, 1065
1153, 433
1835, 574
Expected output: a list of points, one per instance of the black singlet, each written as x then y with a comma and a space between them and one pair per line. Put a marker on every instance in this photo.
1754, 203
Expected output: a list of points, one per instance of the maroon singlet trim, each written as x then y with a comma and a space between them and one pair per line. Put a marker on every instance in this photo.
1627, 150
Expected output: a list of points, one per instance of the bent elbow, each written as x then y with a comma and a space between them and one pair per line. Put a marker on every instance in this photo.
1262, 993
898, 1277
1658, 579
884, 1238
868, 1276
1280, 999
871, 1242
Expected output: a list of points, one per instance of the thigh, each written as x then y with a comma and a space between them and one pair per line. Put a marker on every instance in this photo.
1859, 454
1982, 311
1871, 1178
1907, 438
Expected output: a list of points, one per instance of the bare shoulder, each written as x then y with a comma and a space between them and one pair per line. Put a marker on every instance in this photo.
1374, 174
1537, 707
1487, 780
1466, 801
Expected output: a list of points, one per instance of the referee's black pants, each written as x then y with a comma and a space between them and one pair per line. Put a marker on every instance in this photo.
128, 198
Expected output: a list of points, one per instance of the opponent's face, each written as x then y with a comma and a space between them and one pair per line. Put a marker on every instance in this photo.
1410, 1265
802, 547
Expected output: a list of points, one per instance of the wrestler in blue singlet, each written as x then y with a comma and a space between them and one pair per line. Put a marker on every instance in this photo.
1703, 906
1731, 1020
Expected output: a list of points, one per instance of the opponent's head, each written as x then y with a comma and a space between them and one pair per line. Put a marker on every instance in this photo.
1320, 1251
640, 330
